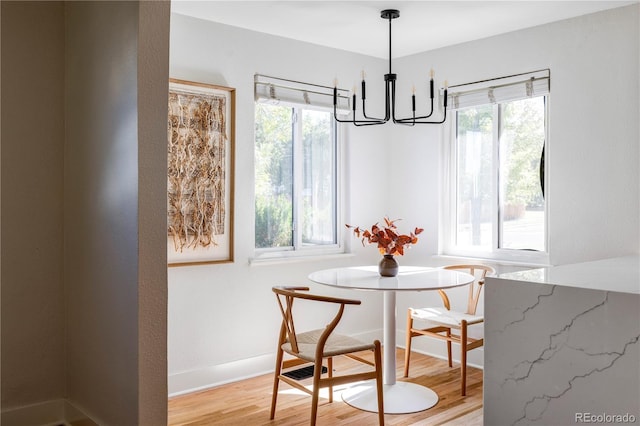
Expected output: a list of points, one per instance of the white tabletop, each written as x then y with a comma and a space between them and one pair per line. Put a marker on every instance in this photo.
409, 278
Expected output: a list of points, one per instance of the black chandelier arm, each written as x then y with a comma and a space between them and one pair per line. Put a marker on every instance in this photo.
413, 106
360, 123
364, 114
406, 122
412, 121
393, 106
424, 116
414, 118
353, 119
418, 120
367, 122
387, 115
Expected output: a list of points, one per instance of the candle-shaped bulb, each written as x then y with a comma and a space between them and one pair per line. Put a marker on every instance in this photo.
335, 82
446, 84
354, 89
413, 89
362, 74
432, 73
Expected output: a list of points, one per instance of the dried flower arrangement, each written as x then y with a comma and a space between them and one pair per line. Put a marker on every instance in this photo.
387, 238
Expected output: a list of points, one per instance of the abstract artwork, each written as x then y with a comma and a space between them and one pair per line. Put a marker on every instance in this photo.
200, 131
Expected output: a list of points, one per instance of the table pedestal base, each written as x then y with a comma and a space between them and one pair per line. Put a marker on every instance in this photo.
399, 398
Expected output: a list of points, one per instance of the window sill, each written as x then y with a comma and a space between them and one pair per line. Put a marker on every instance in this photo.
537, 263
295, 258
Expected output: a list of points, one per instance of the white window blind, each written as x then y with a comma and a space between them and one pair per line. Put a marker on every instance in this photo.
280, 91
498, 90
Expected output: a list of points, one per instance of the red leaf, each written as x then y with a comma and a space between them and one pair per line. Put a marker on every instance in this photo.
403, 239
387, 239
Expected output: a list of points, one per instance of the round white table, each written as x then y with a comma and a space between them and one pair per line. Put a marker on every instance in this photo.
399, 397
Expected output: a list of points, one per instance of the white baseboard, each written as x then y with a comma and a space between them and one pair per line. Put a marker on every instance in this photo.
438, 349
49, 413
475, 358
428, 346
216, 375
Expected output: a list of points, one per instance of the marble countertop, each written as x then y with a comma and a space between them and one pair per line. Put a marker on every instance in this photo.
621, 274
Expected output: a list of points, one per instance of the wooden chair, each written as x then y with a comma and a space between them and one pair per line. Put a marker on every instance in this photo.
318, 345
442, 320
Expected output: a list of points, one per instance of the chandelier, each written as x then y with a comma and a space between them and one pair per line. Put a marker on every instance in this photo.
390, 95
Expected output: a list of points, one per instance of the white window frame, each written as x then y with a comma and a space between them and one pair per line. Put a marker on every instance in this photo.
299, 250
448, 246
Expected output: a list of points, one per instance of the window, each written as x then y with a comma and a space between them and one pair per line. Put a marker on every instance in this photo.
295, 180
497, 205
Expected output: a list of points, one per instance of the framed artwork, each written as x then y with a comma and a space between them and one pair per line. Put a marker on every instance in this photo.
200, 172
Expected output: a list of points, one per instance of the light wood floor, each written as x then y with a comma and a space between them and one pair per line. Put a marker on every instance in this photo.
247, 402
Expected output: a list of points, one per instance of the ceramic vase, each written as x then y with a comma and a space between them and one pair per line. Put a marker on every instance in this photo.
388, 266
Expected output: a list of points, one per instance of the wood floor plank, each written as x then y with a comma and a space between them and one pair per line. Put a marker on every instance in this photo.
248, 402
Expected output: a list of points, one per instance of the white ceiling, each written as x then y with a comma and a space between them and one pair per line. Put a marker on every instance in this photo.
356, 26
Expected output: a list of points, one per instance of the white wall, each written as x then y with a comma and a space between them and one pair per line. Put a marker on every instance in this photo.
84, 95
592, 156
396, 171
117, 74
212, 307
594, 136
153, 71
32, 159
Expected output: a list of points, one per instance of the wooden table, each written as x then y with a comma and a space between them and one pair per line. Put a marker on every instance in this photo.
399, 397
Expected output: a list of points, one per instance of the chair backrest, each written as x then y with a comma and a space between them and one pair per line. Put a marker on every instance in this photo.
287, 295
478, 271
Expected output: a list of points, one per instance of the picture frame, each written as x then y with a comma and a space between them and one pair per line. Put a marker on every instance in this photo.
200, 173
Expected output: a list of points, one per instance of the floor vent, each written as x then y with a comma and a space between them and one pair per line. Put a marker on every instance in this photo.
303, 373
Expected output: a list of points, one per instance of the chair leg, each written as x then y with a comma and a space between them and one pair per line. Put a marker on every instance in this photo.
463, 358
379, 384
276, 381
330, 373
316, 392
449, 357
407, 346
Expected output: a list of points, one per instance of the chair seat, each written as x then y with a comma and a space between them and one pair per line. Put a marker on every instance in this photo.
336, 344
445, 317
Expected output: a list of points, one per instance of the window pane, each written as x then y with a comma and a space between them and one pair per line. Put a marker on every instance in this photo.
274, 176
317, 208
475, 191
522, 138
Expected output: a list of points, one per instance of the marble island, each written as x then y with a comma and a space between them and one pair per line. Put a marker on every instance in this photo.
562, 345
